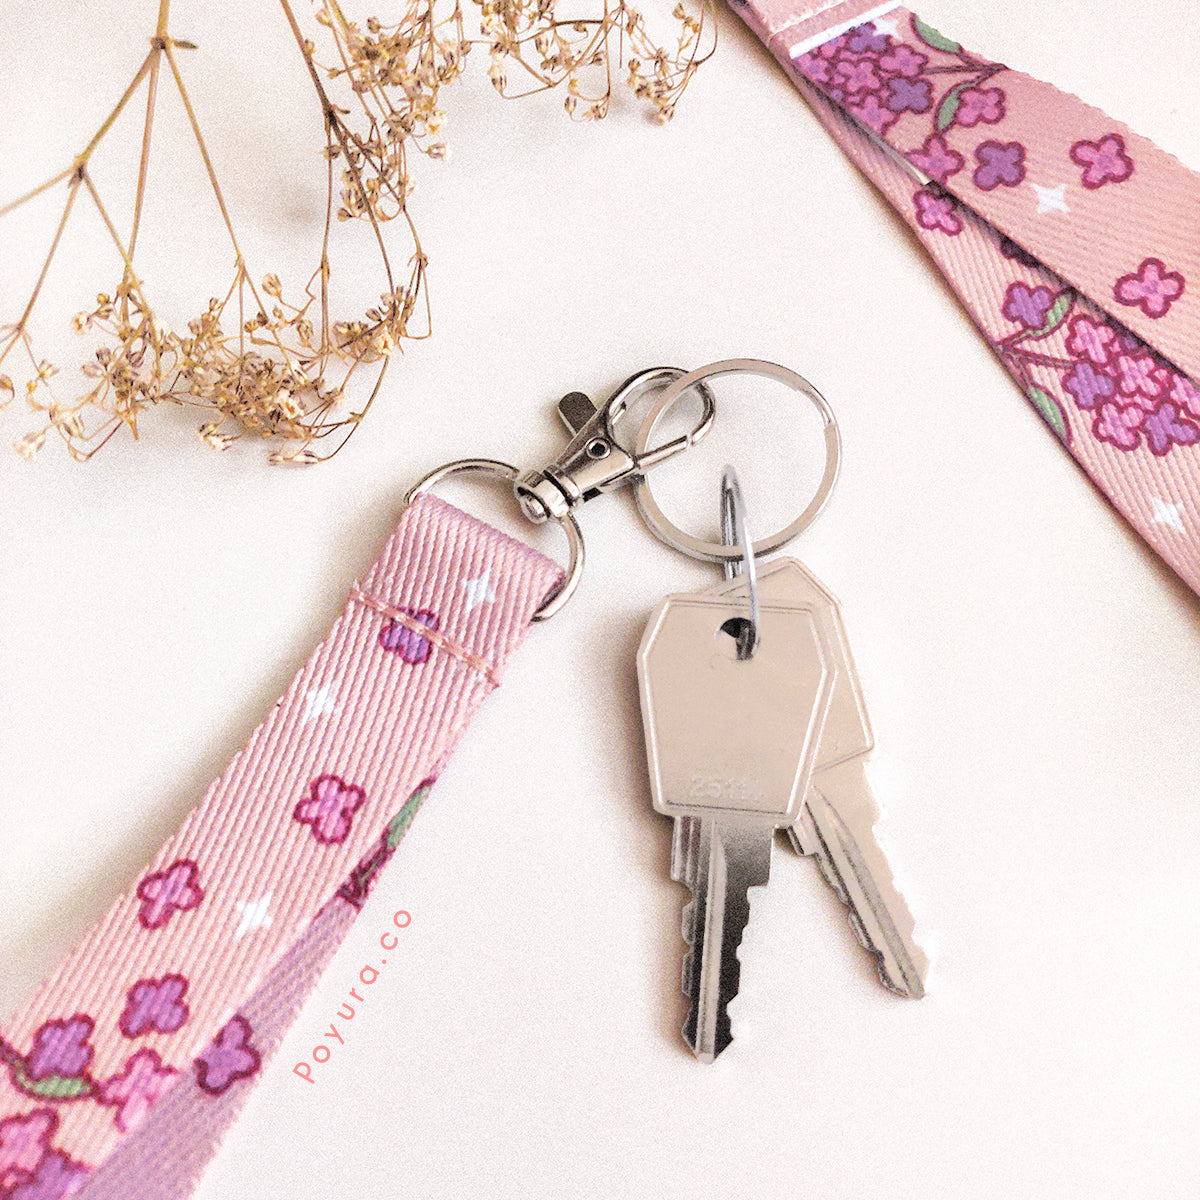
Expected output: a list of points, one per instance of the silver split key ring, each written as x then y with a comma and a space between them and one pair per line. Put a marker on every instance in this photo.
735, 532
670, 533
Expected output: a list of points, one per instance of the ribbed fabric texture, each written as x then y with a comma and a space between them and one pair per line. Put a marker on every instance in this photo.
1073, 242
152, 1031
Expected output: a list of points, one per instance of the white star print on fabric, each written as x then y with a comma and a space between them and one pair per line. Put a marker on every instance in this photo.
320, 702
1167, 514
1051, 199
479, 591
254, 915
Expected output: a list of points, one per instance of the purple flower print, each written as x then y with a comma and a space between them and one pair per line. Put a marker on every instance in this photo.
329, 807
24, 1141
1152, 288
1000, 163
856, 77
164, 893
1185, 394
979, 104
1165, 427
1087, 386
908, 95
864, 40
227, 1058
406, 642
1119, 426
1129, 342
936, 210
61, 1047
1137, 376
154, 1005
936, 158
1093, 340
904, 60
1027, 306
137, 1089
1010, 249
57, 1176
1104, 161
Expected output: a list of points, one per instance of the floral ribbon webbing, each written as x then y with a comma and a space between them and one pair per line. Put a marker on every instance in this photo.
118, 1080
1073, 242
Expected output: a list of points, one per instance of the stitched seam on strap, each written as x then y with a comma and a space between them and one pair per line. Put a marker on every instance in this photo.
430, 635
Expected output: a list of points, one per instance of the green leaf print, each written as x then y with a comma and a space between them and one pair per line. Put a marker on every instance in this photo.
931, 37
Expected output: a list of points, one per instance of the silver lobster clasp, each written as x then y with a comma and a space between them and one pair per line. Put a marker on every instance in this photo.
594, 462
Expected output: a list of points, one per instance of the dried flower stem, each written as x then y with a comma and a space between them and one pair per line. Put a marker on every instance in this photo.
275, 377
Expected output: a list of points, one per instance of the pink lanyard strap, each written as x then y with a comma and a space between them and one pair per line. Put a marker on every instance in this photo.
1073, 242
120, 1077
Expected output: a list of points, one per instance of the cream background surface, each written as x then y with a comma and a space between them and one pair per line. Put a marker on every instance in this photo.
1031, 669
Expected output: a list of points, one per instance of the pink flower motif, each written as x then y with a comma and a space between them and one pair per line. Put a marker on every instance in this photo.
1137, 376
61, 1047
1119, 425
904, 60
164, 893
1152, 288
871, 111
980, 104
1090, 339
936, 158
137, 1089
833, 47
1105, 161
1185, 393
935, 210
857, 77
57, 1175
24, 1140
227, 1058
154, 1004
814, 67
329, 807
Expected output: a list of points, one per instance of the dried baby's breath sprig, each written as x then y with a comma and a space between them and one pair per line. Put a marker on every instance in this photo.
281, 370
583, 53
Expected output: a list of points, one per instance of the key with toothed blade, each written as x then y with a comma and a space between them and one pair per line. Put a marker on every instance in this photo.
731, 744
836, 825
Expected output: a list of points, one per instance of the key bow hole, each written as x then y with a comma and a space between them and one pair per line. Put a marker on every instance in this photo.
736, 640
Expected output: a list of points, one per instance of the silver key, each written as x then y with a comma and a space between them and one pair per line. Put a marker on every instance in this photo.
836, 826
731, 744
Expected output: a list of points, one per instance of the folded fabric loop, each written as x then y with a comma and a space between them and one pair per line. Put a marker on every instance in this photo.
121, 1075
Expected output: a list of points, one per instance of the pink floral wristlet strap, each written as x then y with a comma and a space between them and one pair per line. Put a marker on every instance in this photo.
1073, 242
120, 1077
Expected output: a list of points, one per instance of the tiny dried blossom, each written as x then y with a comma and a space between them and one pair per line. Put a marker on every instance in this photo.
282, 374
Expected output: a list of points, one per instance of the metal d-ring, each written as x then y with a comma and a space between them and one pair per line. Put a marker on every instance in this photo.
734, 532
509, 474
666, 530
